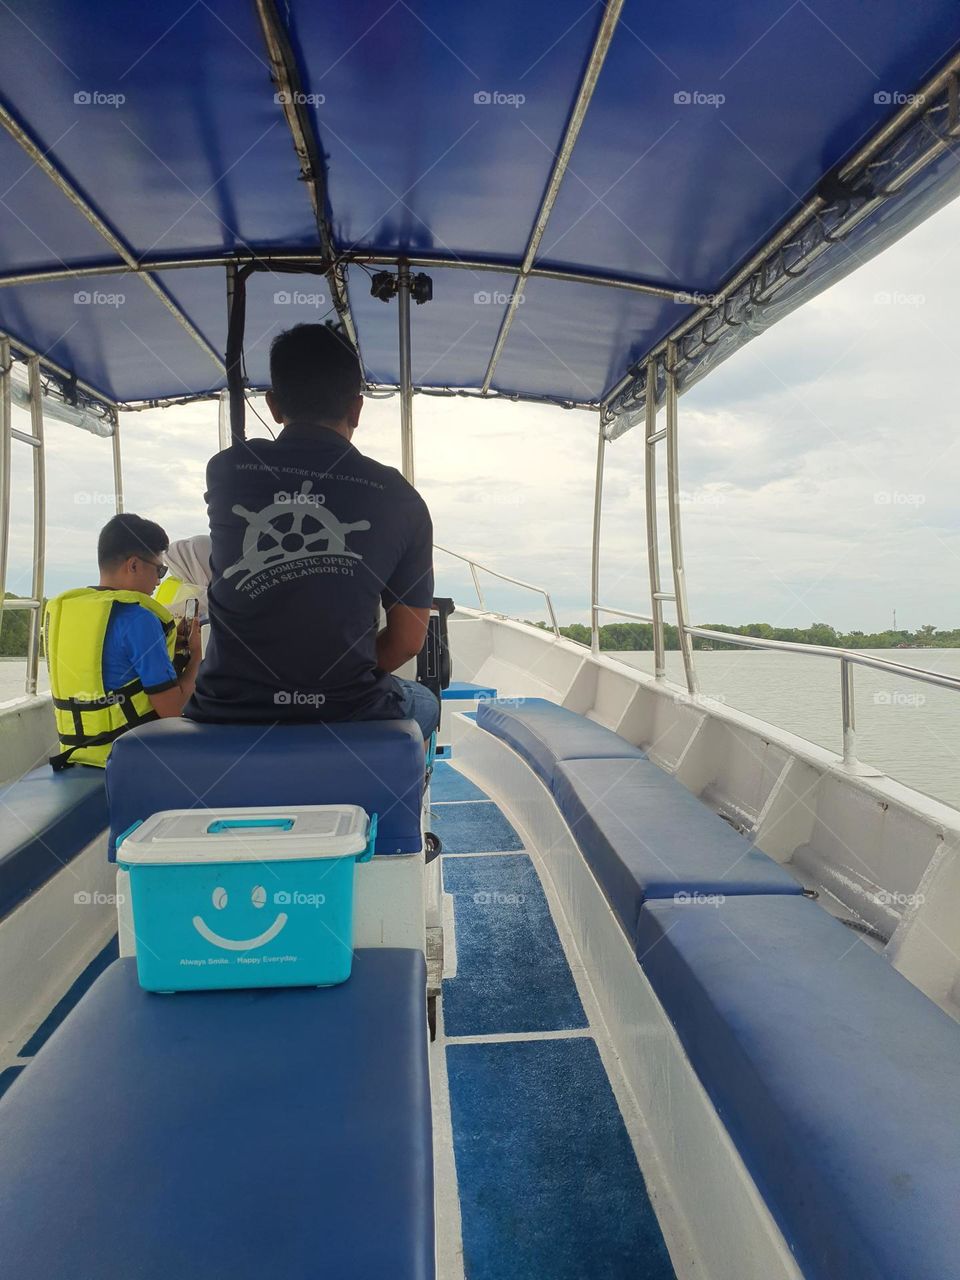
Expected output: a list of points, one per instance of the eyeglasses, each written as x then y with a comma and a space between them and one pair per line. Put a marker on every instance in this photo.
160, 568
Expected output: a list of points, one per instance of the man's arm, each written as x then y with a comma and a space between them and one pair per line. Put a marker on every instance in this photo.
403, 637
169, 703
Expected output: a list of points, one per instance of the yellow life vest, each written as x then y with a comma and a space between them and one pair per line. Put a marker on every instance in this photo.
89, 717
172, 591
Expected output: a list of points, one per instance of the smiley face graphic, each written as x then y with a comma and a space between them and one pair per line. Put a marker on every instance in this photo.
220, 900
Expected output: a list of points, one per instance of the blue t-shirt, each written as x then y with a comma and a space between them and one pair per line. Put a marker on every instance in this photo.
309, 536
135, 648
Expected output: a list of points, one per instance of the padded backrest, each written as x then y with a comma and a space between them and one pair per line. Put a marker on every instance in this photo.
544, 733
180, 764
46, 819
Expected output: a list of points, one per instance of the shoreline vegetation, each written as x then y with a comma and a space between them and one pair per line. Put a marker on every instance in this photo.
634, 635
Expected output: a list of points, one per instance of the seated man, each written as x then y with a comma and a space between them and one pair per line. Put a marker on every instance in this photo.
309, 537
110, 649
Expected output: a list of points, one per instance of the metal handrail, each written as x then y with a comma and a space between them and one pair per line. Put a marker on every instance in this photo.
847, 658
623, 613
504, 577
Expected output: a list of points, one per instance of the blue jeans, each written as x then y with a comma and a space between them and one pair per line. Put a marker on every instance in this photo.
420, 704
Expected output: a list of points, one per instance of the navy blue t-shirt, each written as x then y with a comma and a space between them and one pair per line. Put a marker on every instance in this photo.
309, 536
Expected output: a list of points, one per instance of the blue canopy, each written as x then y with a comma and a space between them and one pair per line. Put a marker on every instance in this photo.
578, 182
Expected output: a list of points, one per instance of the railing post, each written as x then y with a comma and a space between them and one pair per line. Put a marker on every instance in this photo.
406, 373
673, 502
476, 583
650, 507
6, 425
117, 465
39, 523
552, 616
595, 547
848, 711
223, 421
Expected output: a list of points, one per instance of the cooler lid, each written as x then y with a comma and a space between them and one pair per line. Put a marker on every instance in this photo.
267, 834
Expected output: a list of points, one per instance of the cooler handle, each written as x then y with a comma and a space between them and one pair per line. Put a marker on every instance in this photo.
371, 840
235, 824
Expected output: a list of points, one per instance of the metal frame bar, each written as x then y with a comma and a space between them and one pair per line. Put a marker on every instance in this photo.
120, 248
286, 76
624, 613
278, 258
595, 545
588, 84
673, 507
848, 658
406, 372
236, 327
6, 425
39, 524
651, 437
504, 577
942, 80
58, 371
117, 467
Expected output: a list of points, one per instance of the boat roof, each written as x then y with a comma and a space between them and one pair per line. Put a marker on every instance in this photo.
581, 183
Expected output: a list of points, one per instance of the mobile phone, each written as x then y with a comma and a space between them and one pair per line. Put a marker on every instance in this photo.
191, 610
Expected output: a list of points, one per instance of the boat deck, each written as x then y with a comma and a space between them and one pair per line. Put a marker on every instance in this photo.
535, 1127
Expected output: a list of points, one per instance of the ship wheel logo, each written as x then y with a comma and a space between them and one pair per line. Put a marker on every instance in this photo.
296, 528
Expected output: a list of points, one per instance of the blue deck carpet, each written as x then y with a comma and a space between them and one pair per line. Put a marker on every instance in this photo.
512, 974
474, 828
549, 1184
447, 785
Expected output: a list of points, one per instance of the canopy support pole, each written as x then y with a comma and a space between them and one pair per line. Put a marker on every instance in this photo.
39, 523
673, 503
650, 505
595, 546
6, 427
117, 466
406, 373
236, 326
598, 54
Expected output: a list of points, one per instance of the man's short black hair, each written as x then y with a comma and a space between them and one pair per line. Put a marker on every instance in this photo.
314, 373
128, 535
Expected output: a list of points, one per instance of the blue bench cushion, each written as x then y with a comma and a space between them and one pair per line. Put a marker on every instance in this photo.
543, 733
248, 1134
837, 1080
181, 764
464, 689
646, 836
48, 818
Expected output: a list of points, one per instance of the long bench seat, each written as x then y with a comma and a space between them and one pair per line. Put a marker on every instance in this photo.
544, 734
836, 1078
47, 819
246, 1134
646, 836
642, 832
180, 764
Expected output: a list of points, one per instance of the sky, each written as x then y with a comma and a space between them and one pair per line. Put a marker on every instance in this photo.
818, 470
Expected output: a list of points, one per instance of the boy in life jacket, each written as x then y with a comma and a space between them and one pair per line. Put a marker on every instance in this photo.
110, 648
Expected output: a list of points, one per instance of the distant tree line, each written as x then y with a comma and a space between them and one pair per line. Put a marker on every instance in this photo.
634, 635
14, 631
639, 636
